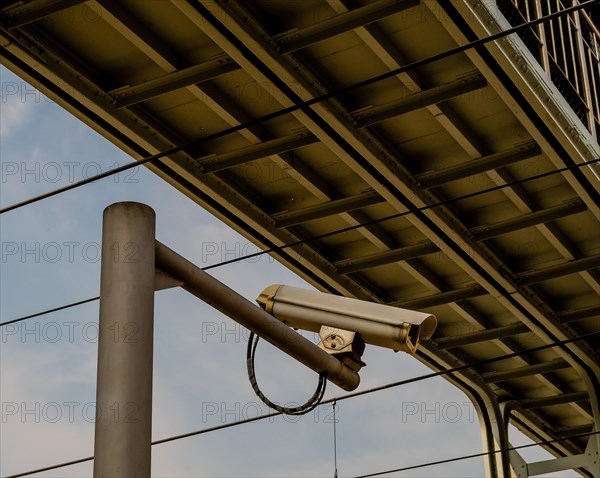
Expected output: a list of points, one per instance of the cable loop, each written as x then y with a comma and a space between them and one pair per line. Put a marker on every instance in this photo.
310, 404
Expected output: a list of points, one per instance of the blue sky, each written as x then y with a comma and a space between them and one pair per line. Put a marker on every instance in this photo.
50, 257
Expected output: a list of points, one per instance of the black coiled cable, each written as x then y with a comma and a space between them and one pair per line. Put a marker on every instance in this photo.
310, 404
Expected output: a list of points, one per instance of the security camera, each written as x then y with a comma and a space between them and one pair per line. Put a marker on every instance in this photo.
377, 324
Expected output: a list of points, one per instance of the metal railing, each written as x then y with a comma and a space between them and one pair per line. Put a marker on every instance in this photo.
567, 48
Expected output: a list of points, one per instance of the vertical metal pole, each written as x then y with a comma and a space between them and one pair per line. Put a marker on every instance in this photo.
122, 446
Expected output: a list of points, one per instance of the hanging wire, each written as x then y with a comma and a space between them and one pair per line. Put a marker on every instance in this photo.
307, 407
276, 249
348, 396
303, 104
335, 469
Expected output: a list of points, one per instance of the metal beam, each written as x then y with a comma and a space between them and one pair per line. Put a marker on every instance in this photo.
569, 316
130, 95
552, 272
487, 231
574, 430
421, 303
432, 179
422, 99
34, 11
297, 39
319, 211
530, 403
520, 372
560, 464
219, 162
348, 266
240, 309
483, 232
481, 336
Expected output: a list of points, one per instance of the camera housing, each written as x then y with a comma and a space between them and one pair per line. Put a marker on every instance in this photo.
377, 324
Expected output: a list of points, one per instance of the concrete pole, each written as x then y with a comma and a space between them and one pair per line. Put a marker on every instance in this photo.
122, 446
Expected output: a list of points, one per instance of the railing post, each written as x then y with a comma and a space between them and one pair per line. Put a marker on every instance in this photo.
122, 446
586, 73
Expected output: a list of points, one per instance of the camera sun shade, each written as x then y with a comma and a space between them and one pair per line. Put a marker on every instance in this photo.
377, 324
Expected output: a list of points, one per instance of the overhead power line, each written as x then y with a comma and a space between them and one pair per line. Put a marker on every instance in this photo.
346, 397
474, 455
303, 104
49, 311
378, 473
276, 249
274, 414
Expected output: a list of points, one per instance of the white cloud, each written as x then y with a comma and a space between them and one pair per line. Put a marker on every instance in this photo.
14, 115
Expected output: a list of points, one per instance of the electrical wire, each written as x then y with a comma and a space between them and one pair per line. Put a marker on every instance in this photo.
270, 415
387, 386
474, 455
49, 311
277, 249
307, 407
304, 104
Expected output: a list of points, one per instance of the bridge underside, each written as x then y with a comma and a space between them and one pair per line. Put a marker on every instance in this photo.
444, 151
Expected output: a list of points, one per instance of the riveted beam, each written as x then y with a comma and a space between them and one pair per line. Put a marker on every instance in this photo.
351, 265
256, 151
569, 316
481, 336
347, 266
130, 95
421, 303
319, 211
487, 231
34, 11
432, 179
570, 267
520, 372
560, 399
574, 430
297, 39
422, 99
